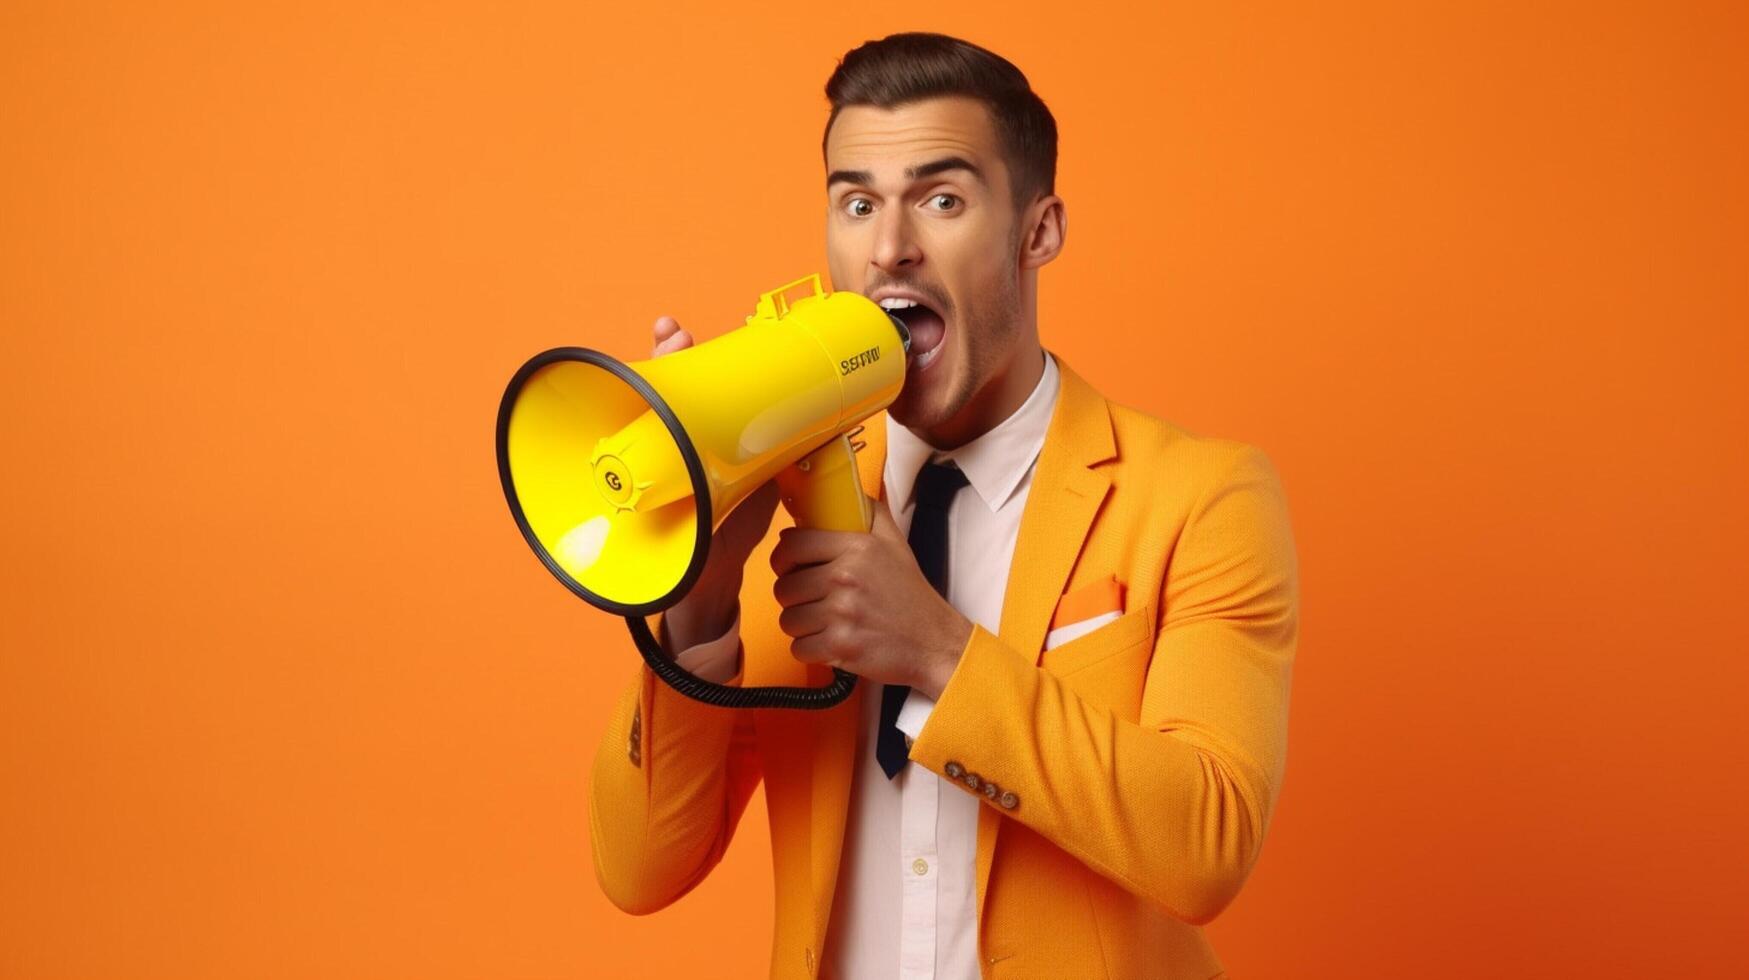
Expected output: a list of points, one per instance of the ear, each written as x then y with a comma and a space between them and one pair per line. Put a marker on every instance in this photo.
1045, 225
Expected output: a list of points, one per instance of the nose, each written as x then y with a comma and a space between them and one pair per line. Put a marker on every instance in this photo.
896, 248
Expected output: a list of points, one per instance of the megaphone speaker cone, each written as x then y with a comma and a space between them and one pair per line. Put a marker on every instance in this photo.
603, 480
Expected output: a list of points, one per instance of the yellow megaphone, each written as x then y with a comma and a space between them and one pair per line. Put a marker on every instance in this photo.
618, 473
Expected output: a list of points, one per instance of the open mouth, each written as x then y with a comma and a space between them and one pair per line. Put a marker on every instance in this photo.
927, 326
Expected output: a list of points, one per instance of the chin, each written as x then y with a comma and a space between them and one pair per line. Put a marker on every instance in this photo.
904, 411
926, 408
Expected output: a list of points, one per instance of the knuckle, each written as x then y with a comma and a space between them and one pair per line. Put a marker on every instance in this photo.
844, 607
840, 638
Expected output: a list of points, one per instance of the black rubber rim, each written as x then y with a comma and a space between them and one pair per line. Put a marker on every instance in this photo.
694, 469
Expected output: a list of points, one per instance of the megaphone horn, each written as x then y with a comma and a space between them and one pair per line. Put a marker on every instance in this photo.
617, 473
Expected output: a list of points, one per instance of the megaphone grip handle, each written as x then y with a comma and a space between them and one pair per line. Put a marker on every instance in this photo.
824, 490
723, 696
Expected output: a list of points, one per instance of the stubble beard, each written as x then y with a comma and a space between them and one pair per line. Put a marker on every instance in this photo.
989, 331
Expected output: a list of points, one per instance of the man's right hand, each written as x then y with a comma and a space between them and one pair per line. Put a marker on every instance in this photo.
708, 609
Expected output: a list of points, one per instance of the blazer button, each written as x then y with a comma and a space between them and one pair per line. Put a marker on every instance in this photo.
991, 791
1009, 801
953, 769
974, 781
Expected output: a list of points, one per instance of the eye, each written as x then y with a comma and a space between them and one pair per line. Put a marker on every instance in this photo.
859, 207
936, 200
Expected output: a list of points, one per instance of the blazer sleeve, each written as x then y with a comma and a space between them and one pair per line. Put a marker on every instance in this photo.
1172, 807
671, 779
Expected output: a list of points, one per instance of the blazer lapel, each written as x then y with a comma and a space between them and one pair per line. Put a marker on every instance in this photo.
1066, 494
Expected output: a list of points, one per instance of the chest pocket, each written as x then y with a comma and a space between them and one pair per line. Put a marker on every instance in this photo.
1105, 635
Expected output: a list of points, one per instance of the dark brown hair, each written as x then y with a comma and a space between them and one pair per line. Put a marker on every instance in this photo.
910, 67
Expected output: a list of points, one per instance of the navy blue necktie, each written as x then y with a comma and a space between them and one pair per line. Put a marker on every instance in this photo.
936, 485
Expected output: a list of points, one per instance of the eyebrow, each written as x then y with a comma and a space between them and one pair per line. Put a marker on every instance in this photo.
930, 169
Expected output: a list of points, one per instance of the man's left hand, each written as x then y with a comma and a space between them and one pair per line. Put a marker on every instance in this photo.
859, 601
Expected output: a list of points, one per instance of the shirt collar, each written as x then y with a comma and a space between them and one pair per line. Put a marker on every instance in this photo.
993, 463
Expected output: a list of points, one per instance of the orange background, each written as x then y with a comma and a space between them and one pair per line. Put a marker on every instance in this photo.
285, 694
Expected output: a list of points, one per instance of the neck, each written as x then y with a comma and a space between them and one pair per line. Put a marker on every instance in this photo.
1001, 397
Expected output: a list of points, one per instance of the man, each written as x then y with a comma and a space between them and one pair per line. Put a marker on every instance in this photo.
1074, 622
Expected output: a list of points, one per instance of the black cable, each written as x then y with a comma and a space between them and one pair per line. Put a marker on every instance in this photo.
699, 689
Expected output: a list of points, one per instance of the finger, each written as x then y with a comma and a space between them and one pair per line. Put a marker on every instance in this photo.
680, 340
804, 620
816, 648
805, 584
809, 546
669, 337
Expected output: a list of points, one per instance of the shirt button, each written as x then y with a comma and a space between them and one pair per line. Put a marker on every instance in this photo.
920, 866
953, 769
973, 781
1009, 801
991, 791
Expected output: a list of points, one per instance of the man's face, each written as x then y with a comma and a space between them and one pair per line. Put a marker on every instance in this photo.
920, 209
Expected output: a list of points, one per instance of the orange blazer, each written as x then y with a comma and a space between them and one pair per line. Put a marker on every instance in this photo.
1128, 774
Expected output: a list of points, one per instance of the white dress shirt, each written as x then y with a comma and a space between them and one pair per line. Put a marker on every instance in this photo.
906, 902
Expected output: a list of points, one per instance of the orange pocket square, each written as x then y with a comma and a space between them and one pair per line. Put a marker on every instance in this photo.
1093, 599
